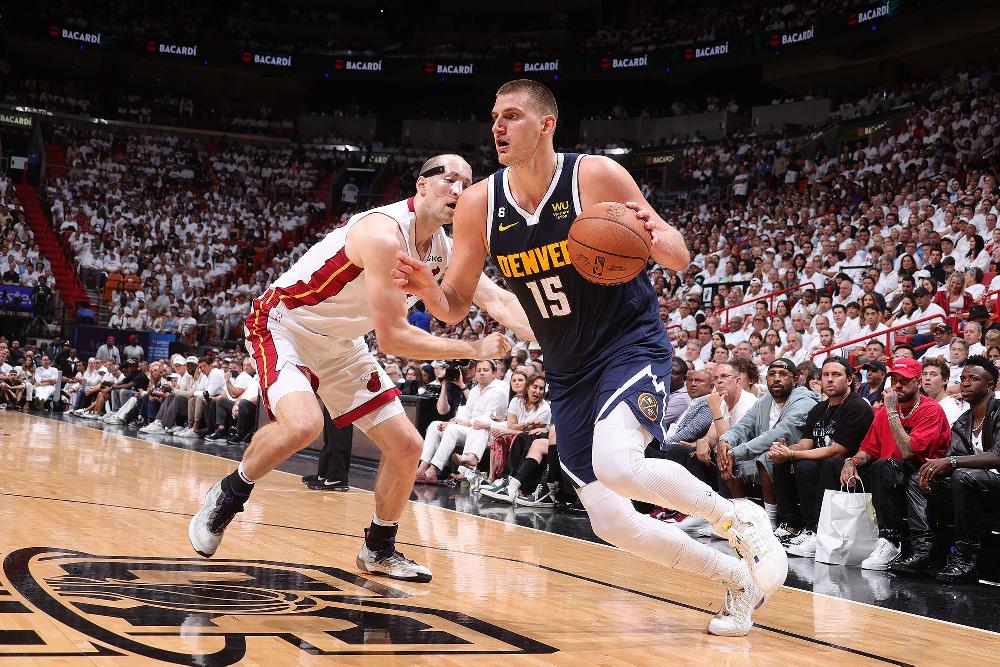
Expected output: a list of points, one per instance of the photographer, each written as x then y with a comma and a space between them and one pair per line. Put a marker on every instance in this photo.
453, 391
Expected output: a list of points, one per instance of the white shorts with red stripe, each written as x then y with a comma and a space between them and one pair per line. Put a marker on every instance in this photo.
351, 383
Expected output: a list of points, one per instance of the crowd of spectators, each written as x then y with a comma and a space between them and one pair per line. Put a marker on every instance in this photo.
175, 221
647, 25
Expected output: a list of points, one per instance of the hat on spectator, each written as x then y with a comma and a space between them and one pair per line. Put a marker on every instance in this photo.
785, 363
978, 311
438, 364
755, 281
921, 291
943, 327
923, 273
533, 345
192, 359
177, 359
905, 367
874, 366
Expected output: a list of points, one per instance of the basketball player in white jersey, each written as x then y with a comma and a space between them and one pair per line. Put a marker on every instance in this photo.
305, 334
602, 450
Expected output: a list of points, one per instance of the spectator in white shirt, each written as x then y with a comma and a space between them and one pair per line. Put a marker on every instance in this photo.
942, 334
973, 335
46, 377
487, 402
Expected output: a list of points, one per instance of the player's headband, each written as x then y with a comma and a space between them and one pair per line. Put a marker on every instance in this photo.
433, 171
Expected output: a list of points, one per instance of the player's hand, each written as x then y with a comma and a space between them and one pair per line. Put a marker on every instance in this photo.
442, 426
411, 275
494, 346
645, 214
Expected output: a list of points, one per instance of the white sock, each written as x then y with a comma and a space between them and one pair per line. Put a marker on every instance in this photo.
243, 474
380, 522
772, 514
513, 487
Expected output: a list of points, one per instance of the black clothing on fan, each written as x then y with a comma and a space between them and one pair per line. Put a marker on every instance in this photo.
139, 381
845, 424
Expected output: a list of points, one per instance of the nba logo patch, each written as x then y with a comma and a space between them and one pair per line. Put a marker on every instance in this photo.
648, 405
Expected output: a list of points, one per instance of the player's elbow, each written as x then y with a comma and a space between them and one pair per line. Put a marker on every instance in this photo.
389, 338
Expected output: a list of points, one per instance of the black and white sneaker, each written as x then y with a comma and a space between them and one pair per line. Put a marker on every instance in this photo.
309, 479
207, 526
218, 436
542, 497
328, 485
497, 492
390, 563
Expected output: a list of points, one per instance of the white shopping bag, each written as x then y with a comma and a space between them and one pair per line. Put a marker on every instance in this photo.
847, 531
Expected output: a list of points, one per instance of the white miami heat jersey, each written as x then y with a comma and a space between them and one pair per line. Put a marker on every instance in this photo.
324, 292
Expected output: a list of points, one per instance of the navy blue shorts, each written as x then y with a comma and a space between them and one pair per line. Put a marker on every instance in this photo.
639, 378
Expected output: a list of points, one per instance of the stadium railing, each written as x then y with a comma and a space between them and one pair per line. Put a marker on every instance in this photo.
770, 307
887, 333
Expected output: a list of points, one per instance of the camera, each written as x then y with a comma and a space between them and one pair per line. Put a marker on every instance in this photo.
453, 369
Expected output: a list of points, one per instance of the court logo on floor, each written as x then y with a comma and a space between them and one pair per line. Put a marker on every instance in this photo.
193, 611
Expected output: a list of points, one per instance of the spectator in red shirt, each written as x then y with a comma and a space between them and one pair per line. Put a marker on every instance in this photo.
907, 431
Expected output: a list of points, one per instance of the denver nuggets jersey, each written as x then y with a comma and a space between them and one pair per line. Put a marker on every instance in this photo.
578, 324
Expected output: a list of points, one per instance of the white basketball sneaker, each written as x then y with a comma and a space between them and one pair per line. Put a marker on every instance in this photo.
742, 597
391, 563
750, 533
207, 526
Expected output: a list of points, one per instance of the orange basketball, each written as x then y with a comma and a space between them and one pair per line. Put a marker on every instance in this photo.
608, 244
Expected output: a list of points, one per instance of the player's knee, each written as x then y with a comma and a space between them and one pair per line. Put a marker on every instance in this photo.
620, 468
305, 428
412, 448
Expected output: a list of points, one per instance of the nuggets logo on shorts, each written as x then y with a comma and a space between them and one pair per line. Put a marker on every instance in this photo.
647, 403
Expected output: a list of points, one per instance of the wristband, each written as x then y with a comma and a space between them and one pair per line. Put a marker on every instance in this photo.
791, 455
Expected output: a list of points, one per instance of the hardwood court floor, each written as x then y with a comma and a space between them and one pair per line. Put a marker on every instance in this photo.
97, 569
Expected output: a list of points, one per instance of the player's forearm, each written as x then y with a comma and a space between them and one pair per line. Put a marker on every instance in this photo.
445, 303
415, 343
508, 311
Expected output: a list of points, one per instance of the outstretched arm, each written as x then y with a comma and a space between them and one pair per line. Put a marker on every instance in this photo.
374, 245
603, 179
504, 307
450, 301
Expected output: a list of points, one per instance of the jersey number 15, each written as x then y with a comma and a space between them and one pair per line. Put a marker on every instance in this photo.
549, 297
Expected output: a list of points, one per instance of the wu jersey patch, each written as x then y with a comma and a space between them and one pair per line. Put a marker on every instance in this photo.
648, 405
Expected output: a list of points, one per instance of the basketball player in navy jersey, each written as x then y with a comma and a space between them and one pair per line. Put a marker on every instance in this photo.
607, 356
